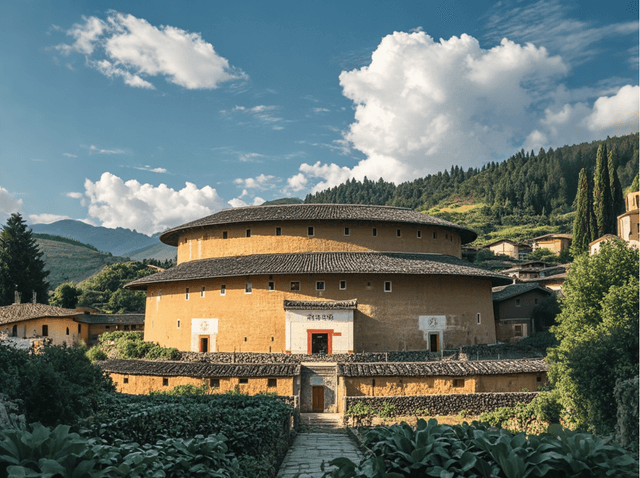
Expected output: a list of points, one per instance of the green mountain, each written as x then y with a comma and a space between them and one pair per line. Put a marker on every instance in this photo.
70, 262
524, 196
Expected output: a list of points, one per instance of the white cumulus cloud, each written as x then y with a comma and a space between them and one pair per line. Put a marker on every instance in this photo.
237, 202
144, 207
74, 195
8, 204
45, 218
262, 182
423, 105
133, 49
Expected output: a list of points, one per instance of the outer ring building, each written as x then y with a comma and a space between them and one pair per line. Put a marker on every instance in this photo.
319, 278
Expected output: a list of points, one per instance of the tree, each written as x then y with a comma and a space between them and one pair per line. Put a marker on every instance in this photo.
582, 221
616, 188
634, 185
21, 266
66, 295
602, 201
598, 333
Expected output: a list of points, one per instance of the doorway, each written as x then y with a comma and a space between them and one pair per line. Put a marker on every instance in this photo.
434, 342
317, 398
204, 343
319, 343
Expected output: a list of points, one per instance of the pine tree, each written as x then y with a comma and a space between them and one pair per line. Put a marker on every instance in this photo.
582, 221
616, 187
602, 202
21, 264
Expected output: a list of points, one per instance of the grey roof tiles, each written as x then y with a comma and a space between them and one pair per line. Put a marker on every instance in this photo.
315, 212
18, 312
198, 369
320, 263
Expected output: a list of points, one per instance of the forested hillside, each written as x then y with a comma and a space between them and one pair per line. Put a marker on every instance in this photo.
535, 190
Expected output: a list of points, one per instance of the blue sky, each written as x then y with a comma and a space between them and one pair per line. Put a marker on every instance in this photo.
146, 115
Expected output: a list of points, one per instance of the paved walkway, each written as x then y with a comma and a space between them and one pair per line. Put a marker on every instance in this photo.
309, 449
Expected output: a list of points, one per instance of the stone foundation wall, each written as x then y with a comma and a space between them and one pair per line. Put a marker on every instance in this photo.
471, 352
450, 404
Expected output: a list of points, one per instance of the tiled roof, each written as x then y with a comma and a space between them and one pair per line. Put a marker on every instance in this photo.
111, 319
320, 304
505, 292
319, 263
519, 244
552, 236
18, 312
315, 212
441, 368
198, 369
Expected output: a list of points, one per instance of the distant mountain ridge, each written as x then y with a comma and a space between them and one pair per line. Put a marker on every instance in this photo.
119, 242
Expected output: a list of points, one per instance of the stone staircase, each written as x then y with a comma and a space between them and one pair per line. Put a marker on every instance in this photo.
322, 420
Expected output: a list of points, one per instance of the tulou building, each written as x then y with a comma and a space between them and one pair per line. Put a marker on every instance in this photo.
319, 278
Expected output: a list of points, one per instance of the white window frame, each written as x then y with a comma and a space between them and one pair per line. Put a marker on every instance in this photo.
478, 318
202, 290
340, 285
419, 234
318, 283
186, 293
248, 288
385, 286
223, 289
178, 323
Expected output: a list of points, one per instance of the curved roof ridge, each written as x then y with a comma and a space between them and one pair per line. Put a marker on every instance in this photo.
316, 212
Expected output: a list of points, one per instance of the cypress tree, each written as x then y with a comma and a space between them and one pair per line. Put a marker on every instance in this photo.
602, 202
582, 222
616, 187
21, 264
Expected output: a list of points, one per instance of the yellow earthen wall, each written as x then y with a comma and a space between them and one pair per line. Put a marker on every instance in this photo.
145, 384
384, 321
554, 245
391, 386
506, 249
328, 237
57, 329
517, 382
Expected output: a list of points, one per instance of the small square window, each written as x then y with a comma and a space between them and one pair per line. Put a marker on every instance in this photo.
387, 286
126, 327
517, 330
446, 236
538, 379
214, 382
202, 289
248, 233
517, 302
535, 301
310, 231
478, 318
67, 330
133, 327
247, 288
398, 233
295, 285
186, 294
272, 286
165, 382
223, 289
125, 380
178, 324
375, 232
419, 234
272, 382
45, 330
225, 234
244, 380
343, 285
458, 382
346, 231
278, 231
320, 285
107, 327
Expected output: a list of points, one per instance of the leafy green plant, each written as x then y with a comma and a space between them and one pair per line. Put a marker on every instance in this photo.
183, 390
464, 413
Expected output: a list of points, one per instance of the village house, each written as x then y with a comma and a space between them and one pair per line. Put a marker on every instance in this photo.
505, 247
556, 243
513, 309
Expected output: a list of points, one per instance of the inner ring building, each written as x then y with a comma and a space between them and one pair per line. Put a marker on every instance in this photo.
319, 278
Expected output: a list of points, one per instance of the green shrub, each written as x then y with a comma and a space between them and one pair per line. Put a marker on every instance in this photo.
181, 390
130, 345
59, 385
95, 354
626, 393
544, 409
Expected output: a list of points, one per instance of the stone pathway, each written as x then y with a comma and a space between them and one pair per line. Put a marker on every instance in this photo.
309, 450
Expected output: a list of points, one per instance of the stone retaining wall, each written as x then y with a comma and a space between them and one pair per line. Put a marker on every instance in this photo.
449, 404
471, 352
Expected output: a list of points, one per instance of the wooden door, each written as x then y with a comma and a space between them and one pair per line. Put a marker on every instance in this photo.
204, 343
317, 399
